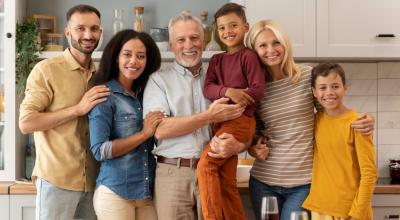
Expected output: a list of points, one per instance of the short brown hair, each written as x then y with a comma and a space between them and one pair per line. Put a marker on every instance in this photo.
231, 8
323, 69
82, 9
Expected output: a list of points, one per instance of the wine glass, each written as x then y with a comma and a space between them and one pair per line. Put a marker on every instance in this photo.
269, 208
299, 215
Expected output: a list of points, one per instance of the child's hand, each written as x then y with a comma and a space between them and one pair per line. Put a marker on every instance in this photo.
260, 150
239, 96
151, 122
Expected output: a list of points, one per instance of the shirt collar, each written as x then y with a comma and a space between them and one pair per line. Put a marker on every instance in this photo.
117, 88
182, 70
73, 64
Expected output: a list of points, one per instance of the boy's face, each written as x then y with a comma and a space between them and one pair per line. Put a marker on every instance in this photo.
231, 30
329, 92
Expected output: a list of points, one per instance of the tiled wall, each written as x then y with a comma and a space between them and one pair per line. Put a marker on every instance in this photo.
374, 87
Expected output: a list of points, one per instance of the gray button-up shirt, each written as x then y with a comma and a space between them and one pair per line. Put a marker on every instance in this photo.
177, 92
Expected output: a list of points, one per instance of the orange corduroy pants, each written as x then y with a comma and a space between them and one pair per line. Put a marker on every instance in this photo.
220, 198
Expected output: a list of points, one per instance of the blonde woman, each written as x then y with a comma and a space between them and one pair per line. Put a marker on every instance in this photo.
284, 149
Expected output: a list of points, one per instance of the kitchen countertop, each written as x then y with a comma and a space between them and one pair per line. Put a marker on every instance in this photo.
4, 186
25, 188
383, 186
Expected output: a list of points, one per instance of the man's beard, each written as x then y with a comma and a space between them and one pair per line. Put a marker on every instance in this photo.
75, 44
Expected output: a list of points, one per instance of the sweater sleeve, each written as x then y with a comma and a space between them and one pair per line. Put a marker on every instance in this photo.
366, 159
213, 89
255, 75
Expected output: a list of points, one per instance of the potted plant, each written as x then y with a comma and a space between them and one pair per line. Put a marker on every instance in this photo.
27, 52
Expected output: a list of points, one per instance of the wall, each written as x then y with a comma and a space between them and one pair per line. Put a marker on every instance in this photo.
156, 12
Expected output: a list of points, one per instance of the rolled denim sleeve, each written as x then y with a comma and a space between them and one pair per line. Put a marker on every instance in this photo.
100, 126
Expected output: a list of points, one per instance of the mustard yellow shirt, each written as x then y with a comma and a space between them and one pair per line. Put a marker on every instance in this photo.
344, 170
62, 153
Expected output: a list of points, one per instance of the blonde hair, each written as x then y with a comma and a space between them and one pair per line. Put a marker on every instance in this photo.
288, 66
184, 16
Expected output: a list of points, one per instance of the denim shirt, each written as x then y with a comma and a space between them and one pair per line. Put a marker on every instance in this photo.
130, 176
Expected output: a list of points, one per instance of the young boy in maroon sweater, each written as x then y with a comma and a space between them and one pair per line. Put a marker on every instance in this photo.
238, 75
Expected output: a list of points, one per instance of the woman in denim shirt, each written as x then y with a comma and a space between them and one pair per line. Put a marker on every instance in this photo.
119, 136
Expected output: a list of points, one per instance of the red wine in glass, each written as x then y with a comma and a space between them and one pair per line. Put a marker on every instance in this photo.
270, 216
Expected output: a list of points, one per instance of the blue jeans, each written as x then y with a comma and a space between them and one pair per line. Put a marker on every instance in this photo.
289, 199
56, 203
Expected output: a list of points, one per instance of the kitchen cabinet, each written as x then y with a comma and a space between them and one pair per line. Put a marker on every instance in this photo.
334, 28
297, 18
352, 28
4, 206
10, 150
385, 205
22, 207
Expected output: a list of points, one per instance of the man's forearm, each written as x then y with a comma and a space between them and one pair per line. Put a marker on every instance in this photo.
181, 125
41, 121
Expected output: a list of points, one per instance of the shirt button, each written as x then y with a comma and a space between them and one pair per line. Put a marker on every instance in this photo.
145, 164
139, 109
145, 150
147, 178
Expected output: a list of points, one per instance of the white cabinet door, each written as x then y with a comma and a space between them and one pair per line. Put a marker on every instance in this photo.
351, 28
4, 206
297, 18
22, 207
385, 205
10, 150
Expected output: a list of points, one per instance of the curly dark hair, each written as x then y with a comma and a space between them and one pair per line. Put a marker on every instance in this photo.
108, 67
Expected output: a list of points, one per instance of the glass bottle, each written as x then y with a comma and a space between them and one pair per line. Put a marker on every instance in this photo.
138, 24
118, 24
212, 45
207, 28
30, 157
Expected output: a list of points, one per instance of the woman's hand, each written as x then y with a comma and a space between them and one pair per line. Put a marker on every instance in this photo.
364, 124
239, 96
151, 121
260, 151
225, 146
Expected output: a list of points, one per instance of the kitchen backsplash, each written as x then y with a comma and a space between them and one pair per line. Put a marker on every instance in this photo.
374, 87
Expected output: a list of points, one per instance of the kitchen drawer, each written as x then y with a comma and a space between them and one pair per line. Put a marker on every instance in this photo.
385, 205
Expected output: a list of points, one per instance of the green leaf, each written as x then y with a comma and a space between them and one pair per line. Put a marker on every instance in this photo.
27, 47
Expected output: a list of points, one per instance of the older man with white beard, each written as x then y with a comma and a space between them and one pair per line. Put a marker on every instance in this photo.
178, 91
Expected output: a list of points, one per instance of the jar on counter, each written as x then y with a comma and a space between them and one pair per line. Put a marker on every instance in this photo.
118, 24
53, 42
394, 168
138, 24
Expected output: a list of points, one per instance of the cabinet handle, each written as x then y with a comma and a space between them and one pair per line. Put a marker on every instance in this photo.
392, 216
8, 35
385, 35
